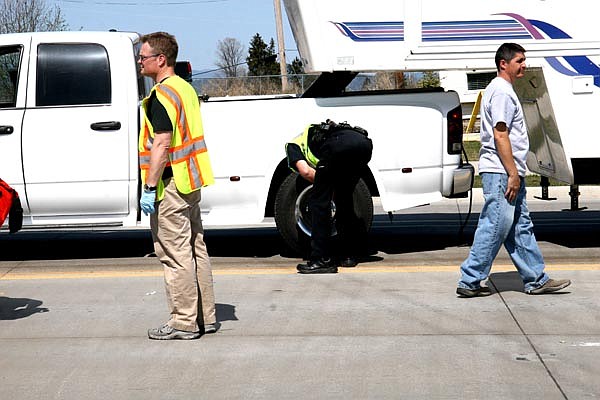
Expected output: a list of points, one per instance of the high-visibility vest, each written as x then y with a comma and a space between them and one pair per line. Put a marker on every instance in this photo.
302, 141
188, 155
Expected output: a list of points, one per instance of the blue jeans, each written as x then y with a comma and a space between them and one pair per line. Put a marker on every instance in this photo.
501, 222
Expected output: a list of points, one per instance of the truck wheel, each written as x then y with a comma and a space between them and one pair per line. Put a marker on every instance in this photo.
292, 215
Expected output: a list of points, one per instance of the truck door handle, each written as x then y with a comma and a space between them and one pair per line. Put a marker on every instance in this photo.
6, 129
106, 126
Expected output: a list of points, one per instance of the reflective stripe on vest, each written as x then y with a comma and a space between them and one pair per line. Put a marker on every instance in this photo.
188, 155
302, 141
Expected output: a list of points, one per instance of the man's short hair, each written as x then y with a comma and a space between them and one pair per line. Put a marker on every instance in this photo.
163, 43
507, 52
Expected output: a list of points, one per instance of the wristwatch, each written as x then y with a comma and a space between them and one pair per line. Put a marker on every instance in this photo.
149, 188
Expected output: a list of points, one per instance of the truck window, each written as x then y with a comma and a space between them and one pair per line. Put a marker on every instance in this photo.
72, 74
9, 71
144, 83
184, 70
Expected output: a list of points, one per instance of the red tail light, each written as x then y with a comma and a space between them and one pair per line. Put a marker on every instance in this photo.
455, 130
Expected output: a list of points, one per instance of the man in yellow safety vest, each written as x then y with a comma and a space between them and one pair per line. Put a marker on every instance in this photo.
175, 165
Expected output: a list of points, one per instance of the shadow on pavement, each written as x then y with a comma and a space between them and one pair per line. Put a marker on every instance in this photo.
225, 312
61, 245
11, 308
508, 281
406, 233
424, 232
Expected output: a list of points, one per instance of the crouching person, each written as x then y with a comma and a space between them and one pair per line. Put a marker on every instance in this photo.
332, 157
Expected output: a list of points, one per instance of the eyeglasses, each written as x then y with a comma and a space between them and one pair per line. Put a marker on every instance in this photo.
144, 58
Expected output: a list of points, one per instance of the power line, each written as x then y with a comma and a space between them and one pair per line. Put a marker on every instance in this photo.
133, 3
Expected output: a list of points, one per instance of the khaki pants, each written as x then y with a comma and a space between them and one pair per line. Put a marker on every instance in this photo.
179, 244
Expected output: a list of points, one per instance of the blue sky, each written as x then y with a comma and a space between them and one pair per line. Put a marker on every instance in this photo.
198, 25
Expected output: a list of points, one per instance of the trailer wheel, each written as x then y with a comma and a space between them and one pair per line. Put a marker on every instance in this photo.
293, 218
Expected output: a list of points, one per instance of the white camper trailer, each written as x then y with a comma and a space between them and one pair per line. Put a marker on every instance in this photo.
560, 92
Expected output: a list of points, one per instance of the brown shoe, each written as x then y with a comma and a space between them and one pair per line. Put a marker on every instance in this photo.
551, 285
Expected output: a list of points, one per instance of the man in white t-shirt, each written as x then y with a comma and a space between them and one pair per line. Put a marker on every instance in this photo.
504, 218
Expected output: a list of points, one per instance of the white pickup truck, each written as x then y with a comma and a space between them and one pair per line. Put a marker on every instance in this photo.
69, 121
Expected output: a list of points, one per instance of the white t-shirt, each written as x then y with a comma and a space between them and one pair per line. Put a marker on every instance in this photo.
501, 104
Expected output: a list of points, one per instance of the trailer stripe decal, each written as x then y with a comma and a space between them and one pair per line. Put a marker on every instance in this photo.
372, 31
519, 28
473, 30
581, 64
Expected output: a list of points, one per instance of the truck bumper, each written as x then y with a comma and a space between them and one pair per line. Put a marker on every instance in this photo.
462, 181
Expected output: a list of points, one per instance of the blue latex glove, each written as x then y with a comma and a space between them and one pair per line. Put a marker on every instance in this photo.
147, 201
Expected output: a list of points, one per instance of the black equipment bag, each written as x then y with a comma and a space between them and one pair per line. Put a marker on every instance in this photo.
318, 133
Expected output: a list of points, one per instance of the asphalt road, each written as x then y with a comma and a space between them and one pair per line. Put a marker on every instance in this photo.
75, 307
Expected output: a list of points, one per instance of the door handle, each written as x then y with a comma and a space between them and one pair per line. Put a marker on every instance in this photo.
106, 126
6, 129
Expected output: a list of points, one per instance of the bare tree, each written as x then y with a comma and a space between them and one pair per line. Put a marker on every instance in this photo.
30, 16
230, 56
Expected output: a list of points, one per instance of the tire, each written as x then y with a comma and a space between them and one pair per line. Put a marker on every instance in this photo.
292, 215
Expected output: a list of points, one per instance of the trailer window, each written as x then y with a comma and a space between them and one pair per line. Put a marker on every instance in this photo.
10, 57
72, 74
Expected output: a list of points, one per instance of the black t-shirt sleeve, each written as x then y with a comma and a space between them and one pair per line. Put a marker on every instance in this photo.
158, 116
294, 154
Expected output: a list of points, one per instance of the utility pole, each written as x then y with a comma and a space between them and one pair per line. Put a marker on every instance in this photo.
280, 45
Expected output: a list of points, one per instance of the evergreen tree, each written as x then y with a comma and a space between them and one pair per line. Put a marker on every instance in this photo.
297, 76
295, 67
262, 59
430, 79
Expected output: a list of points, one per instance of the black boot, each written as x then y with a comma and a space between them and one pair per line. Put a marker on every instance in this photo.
349, 262
322, 266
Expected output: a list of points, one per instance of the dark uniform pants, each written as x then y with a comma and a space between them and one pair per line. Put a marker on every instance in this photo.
343, 159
